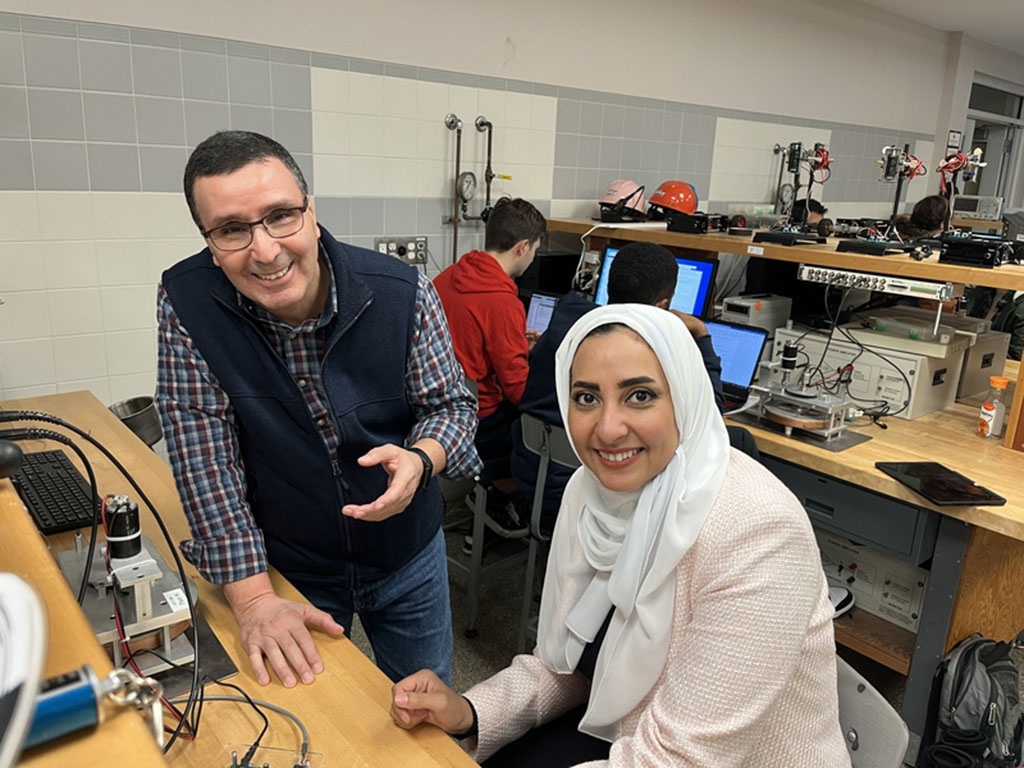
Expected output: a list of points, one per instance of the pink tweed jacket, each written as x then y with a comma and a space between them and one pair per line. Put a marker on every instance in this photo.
750, 678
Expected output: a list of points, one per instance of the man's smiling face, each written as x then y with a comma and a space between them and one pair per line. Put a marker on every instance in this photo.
284, 276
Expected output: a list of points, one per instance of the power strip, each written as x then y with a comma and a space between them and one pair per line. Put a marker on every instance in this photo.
900, 286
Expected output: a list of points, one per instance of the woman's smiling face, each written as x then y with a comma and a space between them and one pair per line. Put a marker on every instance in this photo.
621, 418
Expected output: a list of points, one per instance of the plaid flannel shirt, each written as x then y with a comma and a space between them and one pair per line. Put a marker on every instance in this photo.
200, 427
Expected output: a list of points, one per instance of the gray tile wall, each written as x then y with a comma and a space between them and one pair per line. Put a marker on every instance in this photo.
856, 169
601, 137
100, 107
92, 106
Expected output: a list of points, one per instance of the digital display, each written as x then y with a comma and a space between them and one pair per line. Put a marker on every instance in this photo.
739, 309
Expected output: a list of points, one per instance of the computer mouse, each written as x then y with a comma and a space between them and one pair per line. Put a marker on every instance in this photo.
10, 458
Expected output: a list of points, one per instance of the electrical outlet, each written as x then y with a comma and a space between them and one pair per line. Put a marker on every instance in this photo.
412, 249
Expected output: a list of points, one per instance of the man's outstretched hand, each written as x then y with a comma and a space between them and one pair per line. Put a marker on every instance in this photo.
275, 629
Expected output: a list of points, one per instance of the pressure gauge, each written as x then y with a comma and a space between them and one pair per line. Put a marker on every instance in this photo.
465, 185
785, 198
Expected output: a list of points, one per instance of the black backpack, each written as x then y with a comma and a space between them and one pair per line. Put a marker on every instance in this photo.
976, 714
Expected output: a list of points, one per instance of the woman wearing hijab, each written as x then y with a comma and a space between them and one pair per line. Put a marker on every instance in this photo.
684, 619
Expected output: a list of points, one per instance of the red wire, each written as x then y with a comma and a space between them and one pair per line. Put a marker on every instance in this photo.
822, 159
121, 633
822, 379
953, 162
916, 167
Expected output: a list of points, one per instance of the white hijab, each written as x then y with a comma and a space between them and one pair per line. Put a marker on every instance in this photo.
632, 541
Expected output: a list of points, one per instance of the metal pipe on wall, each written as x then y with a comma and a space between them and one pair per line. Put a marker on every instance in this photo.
453, 123
483, 124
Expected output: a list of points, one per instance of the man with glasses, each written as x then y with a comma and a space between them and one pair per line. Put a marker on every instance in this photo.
309, 394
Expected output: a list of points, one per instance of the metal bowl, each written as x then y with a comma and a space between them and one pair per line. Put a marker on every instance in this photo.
140, 416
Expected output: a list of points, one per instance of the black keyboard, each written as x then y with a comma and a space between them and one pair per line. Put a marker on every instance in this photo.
54, 491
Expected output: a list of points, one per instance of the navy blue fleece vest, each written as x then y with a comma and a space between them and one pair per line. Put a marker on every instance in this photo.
296, 489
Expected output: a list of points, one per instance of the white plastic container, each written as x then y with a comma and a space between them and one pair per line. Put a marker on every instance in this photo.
992, 418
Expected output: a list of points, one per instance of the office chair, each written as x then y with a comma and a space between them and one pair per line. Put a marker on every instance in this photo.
550, 443
875, 734
476, 569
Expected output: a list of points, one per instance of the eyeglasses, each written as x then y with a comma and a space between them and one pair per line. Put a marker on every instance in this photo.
236, 235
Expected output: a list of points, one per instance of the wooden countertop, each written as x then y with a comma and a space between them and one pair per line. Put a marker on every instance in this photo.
1006, 276
123, 738
976, 223
946, 436
346, 710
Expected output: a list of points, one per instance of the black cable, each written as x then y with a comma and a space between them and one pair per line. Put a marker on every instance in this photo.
833, 321
130, 660
845, 374
194, 724
51, 419
884, 409
906, 381
873, 414
34, 433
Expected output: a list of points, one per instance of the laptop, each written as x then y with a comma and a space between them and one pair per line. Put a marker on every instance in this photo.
739, 347
538, 315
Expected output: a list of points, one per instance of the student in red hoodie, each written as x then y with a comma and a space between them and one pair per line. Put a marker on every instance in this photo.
488, 327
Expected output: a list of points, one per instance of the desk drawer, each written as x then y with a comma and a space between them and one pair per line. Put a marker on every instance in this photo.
881, 522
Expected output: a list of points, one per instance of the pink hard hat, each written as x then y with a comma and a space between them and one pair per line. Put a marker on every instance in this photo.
623, 199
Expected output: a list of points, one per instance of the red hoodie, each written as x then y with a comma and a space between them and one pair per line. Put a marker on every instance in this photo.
488, 327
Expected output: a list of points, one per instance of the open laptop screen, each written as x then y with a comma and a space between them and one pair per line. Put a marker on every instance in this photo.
739, 347
539, 314
694, 282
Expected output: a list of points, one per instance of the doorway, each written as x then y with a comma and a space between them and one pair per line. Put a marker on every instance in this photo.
994, 123
997, 141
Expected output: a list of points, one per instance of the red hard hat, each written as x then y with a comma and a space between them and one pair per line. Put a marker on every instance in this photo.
672, 196
625, 198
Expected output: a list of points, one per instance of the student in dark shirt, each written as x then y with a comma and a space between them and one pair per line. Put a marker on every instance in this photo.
642, 273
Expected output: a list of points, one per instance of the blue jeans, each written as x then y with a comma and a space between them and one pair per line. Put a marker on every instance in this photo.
407, 614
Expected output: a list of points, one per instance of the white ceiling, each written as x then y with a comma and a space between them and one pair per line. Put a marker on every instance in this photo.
1000, 22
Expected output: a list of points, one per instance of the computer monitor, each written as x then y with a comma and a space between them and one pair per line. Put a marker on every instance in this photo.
539, 314
694, 282
739, 347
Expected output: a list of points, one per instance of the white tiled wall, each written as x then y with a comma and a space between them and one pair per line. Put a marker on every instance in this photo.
78, 270
571, 209
381, 136
78, 275
743, 167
